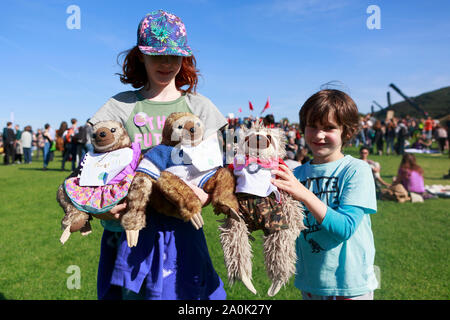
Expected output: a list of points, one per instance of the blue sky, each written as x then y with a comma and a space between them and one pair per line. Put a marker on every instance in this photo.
245, 50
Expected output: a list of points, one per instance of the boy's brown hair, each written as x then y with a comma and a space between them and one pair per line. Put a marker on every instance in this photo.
318, 107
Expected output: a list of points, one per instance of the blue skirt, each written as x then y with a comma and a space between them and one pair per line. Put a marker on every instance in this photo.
170, 262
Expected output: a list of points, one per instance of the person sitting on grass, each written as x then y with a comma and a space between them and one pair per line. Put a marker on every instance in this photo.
375, 166
422, 143
410, 175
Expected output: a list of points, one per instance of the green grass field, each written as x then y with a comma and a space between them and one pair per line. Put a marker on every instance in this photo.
412, 242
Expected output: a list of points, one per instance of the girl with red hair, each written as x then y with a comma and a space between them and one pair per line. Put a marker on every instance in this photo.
171, 259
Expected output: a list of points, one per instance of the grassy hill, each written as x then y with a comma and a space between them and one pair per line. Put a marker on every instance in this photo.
436, 103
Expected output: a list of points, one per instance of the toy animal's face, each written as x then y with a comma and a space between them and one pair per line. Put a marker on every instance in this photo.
187, 130
109, 136
262, 142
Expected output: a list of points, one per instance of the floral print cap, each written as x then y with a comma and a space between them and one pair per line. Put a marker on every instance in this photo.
162, 33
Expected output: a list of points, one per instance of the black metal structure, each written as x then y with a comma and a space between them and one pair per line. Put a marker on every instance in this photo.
378, 105
409, 100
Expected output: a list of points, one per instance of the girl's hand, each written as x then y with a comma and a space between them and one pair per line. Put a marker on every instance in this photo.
114, 213
197, 220
202, 195
288, 182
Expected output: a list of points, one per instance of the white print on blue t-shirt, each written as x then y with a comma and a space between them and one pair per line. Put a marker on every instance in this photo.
327, 190
327, 265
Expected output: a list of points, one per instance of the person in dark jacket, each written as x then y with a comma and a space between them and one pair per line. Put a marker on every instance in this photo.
9, 139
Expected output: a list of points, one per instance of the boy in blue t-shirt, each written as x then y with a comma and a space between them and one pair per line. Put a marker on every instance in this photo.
336, 252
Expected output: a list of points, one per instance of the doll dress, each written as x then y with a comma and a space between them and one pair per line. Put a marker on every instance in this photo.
100, 199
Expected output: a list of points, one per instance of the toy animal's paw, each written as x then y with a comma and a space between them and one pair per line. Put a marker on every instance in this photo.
231, 214
65, 235
234, 215
248, 283
197, 221
132, 237
274, 288
86, 229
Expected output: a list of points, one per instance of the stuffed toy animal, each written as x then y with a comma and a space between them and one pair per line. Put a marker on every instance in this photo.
162, 176
102, 180
261, 207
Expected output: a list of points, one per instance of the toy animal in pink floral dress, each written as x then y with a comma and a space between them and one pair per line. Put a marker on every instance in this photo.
103, 182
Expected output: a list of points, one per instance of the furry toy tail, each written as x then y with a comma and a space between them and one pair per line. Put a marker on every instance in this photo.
74, 219
279, 247
237, 251
138, 195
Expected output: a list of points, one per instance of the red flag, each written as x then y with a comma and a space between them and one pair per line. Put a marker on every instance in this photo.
267, 106
240, 109
250, 105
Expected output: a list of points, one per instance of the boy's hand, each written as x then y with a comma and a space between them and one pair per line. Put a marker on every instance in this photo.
288, 182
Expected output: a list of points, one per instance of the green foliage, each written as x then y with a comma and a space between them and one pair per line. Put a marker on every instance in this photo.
411, 241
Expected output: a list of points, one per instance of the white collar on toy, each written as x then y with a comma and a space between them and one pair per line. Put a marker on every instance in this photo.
205, 156
100, 168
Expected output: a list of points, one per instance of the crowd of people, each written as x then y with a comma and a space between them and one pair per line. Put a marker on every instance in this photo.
18, 144
393, 135
389, 137
377, 137
374, 137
